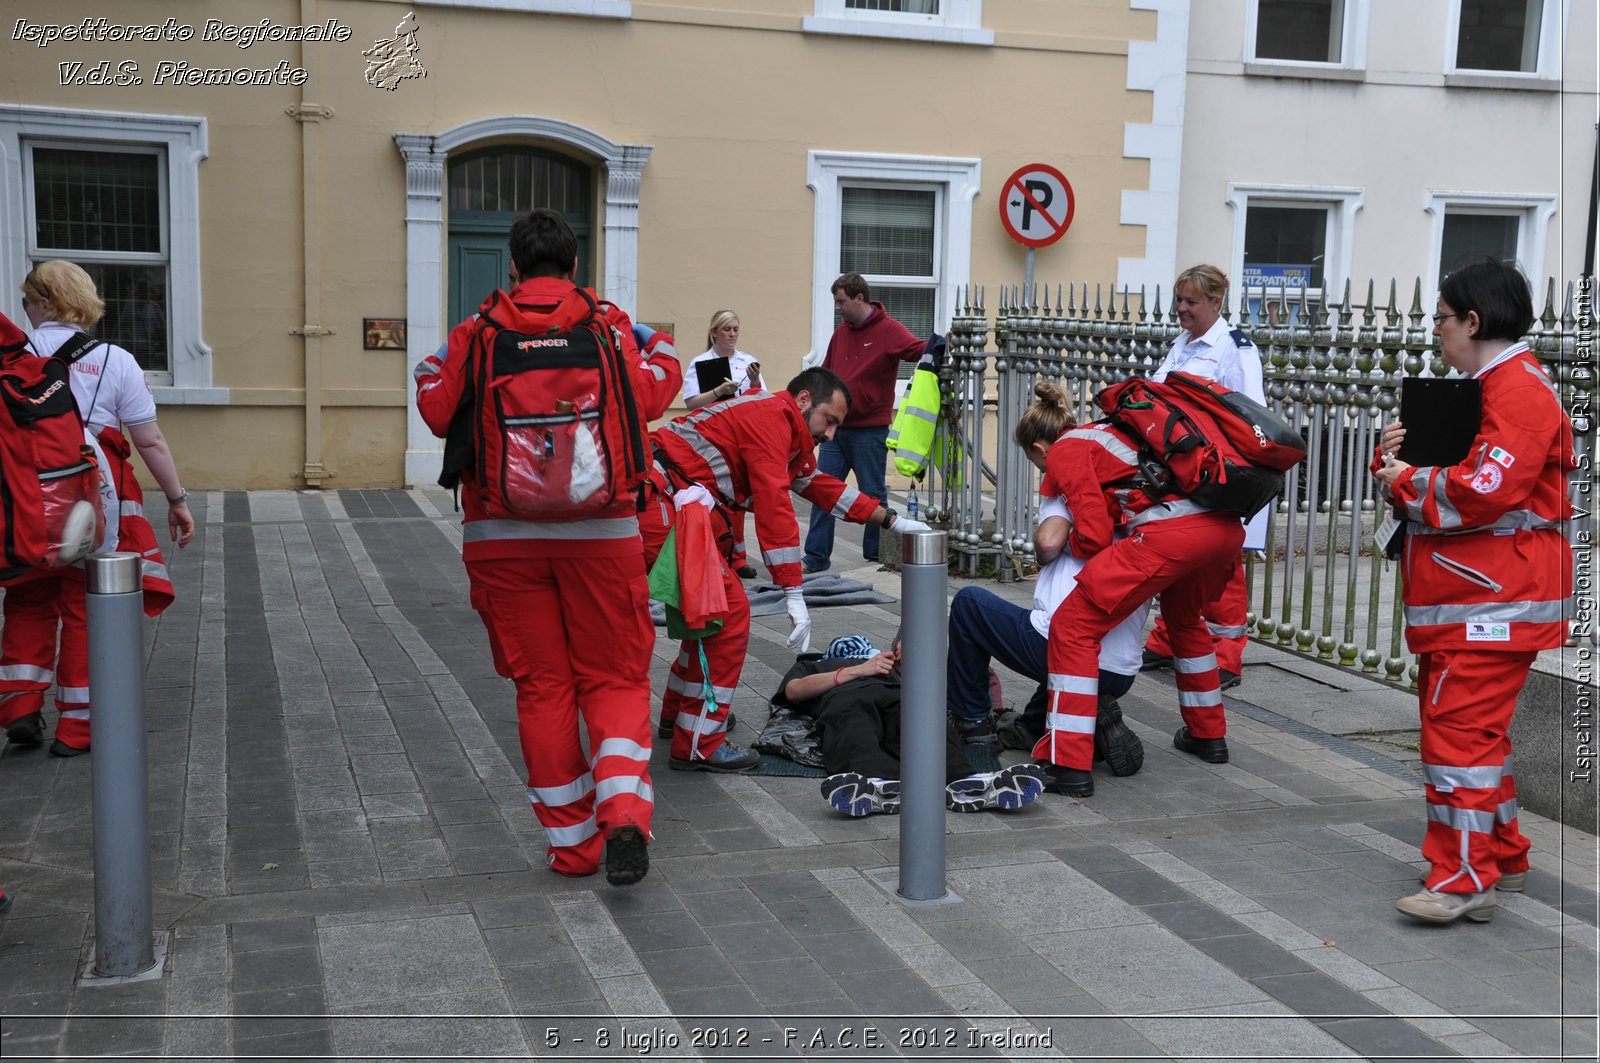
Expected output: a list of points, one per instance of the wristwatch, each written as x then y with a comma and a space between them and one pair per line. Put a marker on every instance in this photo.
890, 515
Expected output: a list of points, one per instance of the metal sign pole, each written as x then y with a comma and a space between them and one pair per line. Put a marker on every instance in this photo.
924, 578
122, 892
1027, 279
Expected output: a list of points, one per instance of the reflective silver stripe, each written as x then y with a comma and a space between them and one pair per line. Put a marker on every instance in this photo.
847, 498
1479, 777
575, 835
893, 437
1227, 631
706, 450
1505, 811
73, 714
153, 570
1488, 612
693, 688
1462, 819
1194, 665
427, 367
1518, 519
657, 372
788, 555
709, 727
606, 789
1183, 507
1419, 481
1539, 375
129, 508
1075, 684
565, 794
1448, 517
479, 531
1117, 447
663, 347
77, 695
622, 747
1506, 771
1199, 699
799, 484
904, 453
920, 414
684, 657
26, 673
1065, 721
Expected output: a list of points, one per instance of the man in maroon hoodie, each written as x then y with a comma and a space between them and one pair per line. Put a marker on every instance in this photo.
864, 351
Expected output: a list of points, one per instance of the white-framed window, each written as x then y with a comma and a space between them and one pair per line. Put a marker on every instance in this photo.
1317, 37
1518, 39
1287, 239
118, 193
590, 8
1468, 225
904, 222
946, 21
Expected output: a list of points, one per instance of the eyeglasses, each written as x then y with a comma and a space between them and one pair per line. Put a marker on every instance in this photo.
1439, 319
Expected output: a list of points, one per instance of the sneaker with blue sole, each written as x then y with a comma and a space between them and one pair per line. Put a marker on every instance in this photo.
858, 795
1006, 790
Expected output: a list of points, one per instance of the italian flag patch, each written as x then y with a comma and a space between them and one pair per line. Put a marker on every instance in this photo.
1504, 458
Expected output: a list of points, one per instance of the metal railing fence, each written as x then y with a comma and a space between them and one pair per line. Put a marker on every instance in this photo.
1332, 369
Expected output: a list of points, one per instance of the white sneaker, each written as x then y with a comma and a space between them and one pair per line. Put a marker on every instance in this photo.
79, 532
1433, 907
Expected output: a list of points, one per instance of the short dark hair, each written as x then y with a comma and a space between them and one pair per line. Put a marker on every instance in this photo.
822, 383
852, 284
1497, 291
543, 244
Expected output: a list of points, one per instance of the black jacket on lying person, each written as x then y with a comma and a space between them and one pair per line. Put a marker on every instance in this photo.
858, 721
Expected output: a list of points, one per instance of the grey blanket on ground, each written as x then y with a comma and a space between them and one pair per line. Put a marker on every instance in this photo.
819, 588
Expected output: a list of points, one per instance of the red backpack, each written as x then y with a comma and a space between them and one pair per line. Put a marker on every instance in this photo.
49, 477
1196, 438
549, 425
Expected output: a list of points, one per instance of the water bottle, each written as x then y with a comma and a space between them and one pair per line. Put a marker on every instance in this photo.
911, 503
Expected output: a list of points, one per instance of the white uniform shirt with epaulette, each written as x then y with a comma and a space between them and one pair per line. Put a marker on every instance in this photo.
1224, 354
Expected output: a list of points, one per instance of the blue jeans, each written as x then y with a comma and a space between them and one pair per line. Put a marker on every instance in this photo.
864, 450
984, 626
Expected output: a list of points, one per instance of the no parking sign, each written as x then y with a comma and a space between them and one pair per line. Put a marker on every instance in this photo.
1036, 205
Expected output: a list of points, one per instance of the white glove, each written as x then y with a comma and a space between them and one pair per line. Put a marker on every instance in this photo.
688, 496
908, 524
799, 620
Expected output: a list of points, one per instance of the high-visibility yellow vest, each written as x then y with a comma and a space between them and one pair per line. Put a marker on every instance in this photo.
911, 435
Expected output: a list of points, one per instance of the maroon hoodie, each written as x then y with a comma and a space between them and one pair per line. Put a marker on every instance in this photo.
866, 356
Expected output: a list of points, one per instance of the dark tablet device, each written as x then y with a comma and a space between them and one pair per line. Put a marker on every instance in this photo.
713, 373
1441, 417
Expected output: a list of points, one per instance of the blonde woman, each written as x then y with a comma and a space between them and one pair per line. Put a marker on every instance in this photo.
61, 303
722, 341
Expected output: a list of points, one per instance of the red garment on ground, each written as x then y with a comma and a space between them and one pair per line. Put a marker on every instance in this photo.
867, 357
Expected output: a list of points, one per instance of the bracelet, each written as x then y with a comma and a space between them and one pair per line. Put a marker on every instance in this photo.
836, 674
183, 497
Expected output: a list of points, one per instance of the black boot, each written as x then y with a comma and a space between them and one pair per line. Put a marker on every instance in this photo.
1069, 782
1210, 750
1114, 743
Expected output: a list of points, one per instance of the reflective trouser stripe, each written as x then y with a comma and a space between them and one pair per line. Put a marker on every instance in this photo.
1066, 721
1227, 631
1074, 684
73, 714
788, 555
1447, 778
556, 796
26, 673
1194, 665
692, 688
623, 784
1462, 819
622, 747
1506, 811
574, 835
1199, 699
72, 695
696, 726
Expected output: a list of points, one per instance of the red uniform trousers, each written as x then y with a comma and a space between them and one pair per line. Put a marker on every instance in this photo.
1185, 561
699, 727
1227, 618
574, 652
1468, 697
36, 610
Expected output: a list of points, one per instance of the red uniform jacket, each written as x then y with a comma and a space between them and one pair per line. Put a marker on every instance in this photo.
439, 386
750, 452
867, 357
1093, 468
134, 532
1486, 563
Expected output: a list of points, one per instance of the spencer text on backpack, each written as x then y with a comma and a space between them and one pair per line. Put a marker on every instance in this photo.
549, 426
49, 477
1196, 438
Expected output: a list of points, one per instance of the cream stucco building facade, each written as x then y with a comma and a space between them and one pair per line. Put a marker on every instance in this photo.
710, 153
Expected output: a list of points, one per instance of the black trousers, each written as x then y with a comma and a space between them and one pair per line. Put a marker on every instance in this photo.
862, 734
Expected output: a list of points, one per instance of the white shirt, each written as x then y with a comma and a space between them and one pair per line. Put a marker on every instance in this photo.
1122, 650
1217, 355
738, 366
110, 379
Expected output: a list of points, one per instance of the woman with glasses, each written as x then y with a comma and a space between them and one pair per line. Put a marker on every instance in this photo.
61, 303
1486, 578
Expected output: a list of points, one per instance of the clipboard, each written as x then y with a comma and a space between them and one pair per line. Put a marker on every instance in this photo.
712, 372
1442, 417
